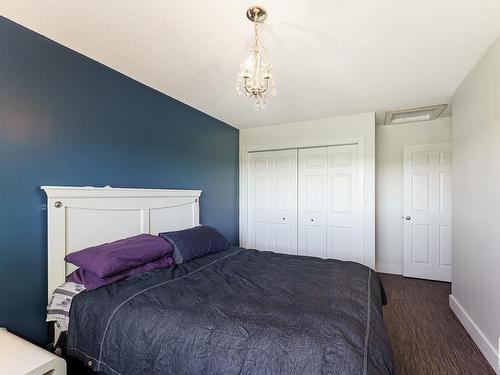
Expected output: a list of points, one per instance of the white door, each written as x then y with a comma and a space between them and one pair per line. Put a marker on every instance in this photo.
312, 201
427, 211
345, 201
272, 201
330, 208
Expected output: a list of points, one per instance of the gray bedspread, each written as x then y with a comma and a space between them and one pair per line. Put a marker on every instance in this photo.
236, 312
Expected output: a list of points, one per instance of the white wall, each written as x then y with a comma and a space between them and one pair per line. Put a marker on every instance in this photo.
389, 140
476, 203
358, 128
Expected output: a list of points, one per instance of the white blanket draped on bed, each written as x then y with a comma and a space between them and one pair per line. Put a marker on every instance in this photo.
60, 303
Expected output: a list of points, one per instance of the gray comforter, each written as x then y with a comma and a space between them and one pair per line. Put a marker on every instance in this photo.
237, 312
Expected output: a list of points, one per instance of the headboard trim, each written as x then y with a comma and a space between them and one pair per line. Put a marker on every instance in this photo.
80, 217
107, 191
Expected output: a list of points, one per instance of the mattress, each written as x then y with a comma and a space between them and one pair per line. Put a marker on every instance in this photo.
240, 311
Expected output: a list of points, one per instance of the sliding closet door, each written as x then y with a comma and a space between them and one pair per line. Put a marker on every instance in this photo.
272, 201
312, 201
344, 222
329, 214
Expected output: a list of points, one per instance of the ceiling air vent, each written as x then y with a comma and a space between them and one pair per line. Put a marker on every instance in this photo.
414, 115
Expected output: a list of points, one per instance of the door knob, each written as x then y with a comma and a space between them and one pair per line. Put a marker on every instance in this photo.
283, 218
408, 218
312, 219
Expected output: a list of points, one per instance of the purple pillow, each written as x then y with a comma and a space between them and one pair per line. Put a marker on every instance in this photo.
115, 257
92, 281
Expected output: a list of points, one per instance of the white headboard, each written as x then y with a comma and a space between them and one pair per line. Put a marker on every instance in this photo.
79, 217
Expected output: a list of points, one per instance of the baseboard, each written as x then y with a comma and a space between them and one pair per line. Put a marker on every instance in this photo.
486, 347
389, 268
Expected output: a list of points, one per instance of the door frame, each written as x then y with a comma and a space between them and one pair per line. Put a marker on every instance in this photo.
367, 217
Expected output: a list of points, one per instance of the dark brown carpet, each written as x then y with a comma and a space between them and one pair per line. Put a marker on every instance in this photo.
426, 336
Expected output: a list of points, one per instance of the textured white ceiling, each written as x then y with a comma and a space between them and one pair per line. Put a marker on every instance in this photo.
331, 57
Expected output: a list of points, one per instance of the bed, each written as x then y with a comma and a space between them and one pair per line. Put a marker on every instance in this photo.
239, 311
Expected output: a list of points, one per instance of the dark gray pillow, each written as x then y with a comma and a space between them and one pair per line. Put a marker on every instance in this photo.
195, 242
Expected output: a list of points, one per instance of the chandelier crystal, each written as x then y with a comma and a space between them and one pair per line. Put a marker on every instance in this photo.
255, 79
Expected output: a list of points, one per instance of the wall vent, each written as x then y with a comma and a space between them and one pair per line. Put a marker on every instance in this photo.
404, 116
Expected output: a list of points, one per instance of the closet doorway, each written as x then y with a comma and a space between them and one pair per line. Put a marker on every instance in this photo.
307, 201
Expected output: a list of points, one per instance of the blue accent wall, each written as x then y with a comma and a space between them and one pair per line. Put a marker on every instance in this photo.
68, 120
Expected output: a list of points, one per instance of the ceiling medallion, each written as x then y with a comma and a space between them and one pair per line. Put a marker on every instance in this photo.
255, 79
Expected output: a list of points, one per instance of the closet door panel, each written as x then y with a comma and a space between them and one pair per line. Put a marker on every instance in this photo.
342, 215
312, 201
283, 239
339, 242
329, 190
314, 240
285, 198
284, 192
272, 218
261, 235
260, 229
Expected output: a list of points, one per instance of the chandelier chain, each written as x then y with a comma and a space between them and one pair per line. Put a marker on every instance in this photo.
256, 29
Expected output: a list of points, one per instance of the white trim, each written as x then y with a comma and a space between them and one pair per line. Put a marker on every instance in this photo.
108, 191
79, 217
394, 269
484, 345
302, 144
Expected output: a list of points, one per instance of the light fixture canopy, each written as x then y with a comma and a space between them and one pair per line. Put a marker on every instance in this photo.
255, 79
256, 13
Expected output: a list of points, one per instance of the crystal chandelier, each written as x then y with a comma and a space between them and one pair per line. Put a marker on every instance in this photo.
255, 79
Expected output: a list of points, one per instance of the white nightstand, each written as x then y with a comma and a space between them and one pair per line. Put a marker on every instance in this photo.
18, 356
